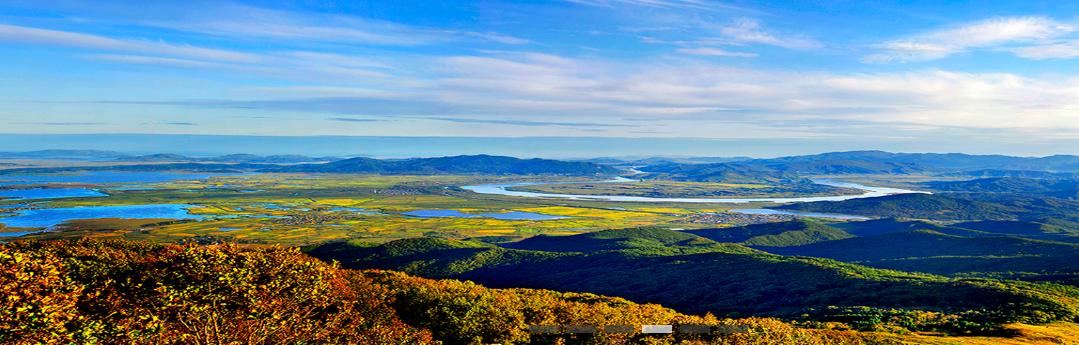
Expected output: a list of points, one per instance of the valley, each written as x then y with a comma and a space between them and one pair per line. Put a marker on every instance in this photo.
970, 259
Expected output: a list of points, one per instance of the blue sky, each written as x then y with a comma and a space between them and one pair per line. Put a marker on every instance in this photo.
978, 76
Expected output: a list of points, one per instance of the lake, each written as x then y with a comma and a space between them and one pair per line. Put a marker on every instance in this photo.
49, 217
513, 215
50, 193
88, 177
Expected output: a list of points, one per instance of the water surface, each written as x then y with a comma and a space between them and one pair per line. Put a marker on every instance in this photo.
49, 217
50, 193
869, 192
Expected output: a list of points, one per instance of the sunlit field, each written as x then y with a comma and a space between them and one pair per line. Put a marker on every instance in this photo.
297, 209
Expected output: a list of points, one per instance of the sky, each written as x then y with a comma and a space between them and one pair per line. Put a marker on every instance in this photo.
800, 76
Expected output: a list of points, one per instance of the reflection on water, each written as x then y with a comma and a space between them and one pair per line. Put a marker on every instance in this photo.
49, 217
869, 192
50, 193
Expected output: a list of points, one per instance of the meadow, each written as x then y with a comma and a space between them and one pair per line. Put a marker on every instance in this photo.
303, 209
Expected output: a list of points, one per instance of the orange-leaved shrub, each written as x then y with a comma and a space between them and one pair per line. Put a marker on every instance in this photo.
128, 292
114, 291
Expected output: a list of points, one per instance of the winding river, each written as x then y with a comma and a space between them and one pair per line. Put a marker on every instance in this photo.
502, 189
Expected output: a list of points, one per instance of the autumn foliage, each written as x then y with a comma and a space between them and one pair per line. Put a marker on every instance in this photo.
129, 292
133, 292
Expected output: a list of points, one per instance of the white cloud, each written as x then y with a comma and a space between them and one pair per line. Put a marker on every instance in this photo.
499, 38
251, 22
687, 4
524, 85
995, 32
14, 33
745, 30
1062, 50
155, 60
706, 51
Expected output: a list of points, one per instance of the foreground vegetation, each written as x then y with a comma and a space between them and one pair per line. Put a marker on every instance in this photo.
113, 291
993, 265
135, 292
697, 275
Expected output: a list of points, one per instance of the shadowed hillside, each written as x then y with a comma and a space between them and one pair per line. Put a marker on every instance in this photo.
780, 234
721, 281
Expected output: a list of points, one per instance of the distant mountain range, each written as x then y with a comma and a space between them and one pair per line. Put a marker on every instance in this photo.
664, 160
1058, 188
476, 164
868, 162
726, 169
97, 155
233, 158
89, 155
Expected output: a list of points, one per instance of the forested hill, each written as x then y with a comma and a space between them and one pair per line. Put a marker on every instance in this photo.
920, 206
1058, 188
474, 164
120, 292
690, 275
779, 234
864, 162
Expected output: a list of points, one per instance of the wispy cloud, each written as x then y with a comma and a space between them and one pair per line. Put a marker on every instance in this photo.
351, 119
155, 60
750, 31
526, 123
1025, 36
1066, 49
707, 51
60, 123
686, 4
14, 33
248, 22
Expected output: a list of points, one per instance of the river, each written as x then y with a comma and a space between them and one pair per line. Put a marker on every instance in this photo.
502, 189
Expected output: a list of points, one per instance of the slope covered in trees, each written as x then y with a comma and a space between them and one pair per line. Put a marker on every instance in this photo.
779, 234
723, 282
880, 162
1057, 188
921, 206
1014, 250
924, 243
638, 240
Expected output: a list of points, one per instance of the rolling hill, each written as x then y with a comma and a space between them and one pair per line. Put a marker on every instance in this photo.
721, 281
119, 292
927, 243
640, 240
862, 162
779, 234
1057, 188
920, 206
